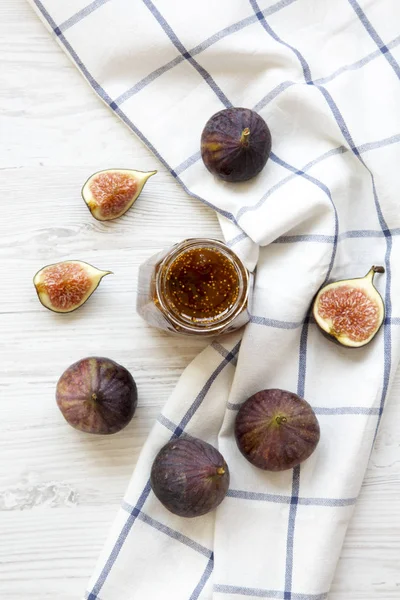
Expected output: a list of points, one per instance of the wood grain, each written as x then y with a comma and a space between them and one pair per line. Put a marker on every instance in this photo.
59, 489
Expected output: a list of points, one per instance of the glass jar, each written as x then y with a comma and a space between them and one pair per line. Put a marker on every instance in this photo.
197, 287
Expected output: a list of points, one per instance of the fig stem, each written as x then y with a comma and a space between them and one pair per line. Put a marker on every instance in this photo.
280, 419
94, 397
220, 471
148, 175
372, 271
245, 137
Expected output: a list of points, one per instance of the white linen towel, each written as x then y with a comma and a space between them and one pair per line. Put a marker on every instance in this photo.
325, 77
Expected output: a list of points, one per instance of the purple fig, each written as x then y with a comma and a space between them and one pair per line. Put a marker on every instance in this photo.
189, 477
276, 430
235, 144
97, 395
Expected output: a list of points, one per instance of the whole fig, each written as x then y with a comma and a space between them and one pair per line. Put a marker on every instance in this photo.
235, 144
97, 395
189, 477
276, 430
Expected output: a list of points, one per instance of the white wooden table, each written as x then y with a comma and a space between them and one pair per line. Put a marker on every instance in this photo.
59, 489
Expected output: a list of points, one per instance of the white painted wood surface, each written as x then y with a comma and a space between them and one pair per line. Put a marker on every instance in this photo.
59, 490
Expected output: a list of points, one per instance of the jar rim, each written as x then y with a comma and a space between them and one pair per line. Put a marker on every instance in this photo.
208, 326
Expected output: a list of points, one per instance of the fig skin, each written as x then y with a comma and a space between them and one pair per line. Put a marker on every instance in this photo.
367, 291
97, 395
65, 286
276, 430
189, 477
110, 193
235, 144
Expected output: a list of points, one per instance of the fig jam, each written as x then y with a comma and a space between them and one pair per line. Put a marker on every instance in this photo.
201, 284
196, 287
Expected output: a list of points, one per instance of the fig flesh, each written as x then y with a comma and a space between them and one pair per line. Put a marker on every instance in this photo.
350, 311
97, 395
189, 477
235, 144
276, 430
109, 194
63, 287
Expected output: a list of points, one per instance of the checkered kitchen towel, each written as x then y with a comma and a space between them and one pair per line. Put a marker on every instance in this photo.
325, 76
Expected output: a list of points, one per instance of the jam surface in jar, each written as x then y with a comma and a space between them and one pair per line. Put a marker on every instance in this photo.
201, 284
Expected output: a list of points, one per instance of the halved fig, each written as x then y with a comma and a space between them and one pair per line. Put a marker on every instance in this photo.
63, 287
110, 193
350, 311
